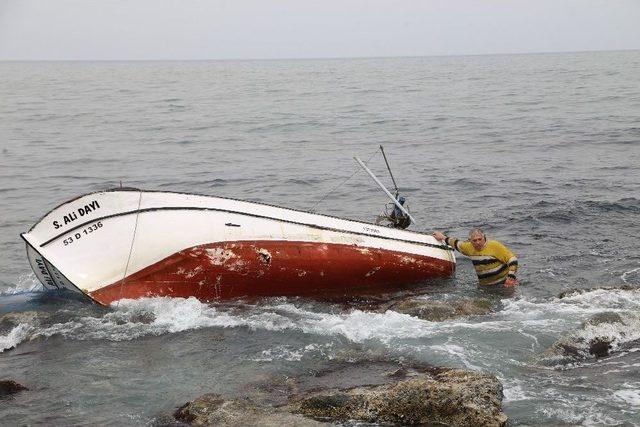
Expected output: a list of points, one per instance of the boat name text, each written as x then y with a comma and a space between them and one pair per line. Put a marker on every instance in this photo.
45, 273
72, 216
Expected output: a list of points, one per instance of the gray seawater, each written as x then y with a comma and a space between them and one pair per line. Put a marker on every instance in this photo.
542, 150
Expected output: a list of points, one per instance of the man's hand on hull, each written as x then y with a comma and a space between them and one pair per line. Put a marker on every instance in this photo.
510, 282
438, 236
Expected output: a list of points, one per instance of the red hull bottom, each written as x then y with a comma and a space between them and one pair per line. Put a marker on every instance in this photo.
266, 268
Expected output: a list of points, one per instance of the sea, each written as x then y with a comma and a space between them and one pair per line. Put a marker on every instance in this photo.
542, 151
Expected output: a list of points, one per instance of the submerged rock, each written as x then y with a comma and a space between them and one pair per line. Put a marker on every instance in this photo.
214, 410
436, 311
9, 321
597, 337
8, 387
575, 291
446, 396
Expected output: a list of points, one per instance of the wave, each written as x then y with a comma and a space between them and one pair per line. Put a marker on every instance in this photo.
25, 283
15, 336
595, 323
134, 319
629, 394
631, 277
576, 211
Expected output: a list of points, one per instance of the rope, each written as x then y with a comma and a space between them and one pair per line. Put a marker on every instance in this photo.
133, 239
313, 208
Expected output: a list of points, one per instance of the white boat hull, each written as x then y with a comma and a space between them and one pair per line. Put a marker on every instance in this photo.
130, 243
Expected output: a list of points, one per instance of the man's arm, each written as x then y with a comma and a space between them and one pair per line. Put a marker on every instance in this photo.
462, 247
507, 257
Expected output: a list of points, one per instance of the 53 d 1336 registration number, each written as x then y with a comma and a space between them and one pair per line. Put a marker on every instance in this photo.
85, 232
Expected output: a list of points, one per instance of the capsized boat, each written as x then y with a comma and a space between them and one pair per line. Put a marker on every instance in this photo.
131, 243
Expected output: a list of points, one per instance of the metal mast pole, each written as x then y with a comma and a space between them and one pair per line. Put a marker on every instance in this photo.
389, 169
395, 201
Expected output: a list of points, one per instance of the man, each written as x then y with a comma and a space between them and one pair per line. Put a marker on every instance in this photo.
494, 263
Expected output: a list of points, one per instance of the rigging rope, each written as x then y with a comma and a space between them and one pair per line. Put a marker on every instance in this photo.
133, 239
313, 208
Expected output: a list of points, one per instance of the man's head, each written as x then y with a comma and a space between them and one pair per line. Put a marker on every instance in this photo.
477, 238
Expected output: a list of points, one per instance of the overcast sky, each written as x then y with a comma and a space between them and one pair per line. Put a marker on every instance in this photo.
221, 29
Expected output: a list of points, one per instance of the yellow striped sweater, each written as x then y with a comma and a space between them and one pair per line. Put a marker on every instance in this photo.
493, 263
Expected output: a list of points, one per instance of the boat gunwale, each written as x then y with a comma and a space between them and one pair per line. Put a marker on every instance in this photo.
138, 211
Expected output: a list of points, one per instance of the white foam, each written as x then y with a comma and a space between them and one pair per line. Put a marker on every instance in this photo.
630, 395
573, 413
131, 319
625, 276
568, 415
15, 336
604, 299
459, 352
25, 283
359, 326
514, 393
558, 315
284, 352
356, 325
616, 333
170, 315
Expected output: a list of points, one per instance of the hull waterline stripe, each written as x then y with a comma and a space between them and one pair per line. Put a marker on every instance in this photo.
320, 227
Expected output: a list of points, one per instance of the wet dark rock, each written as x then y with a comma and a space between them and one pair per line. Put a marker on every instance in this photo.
600, 318
599, 347
355, 370
8, 387
215, 410
440, 396
436, 311
166, 420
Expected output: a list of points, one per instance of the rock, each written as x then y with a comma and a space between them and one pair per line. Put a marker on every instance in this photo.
446, 396
214, 410
8, 387
436, 311
600, 318
369, 391
600, 347
356, 370
595, 338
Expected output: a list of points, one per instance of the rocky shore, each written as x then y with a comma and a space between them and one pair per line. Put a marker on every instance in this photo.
357, 389
215, 410
392, 394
